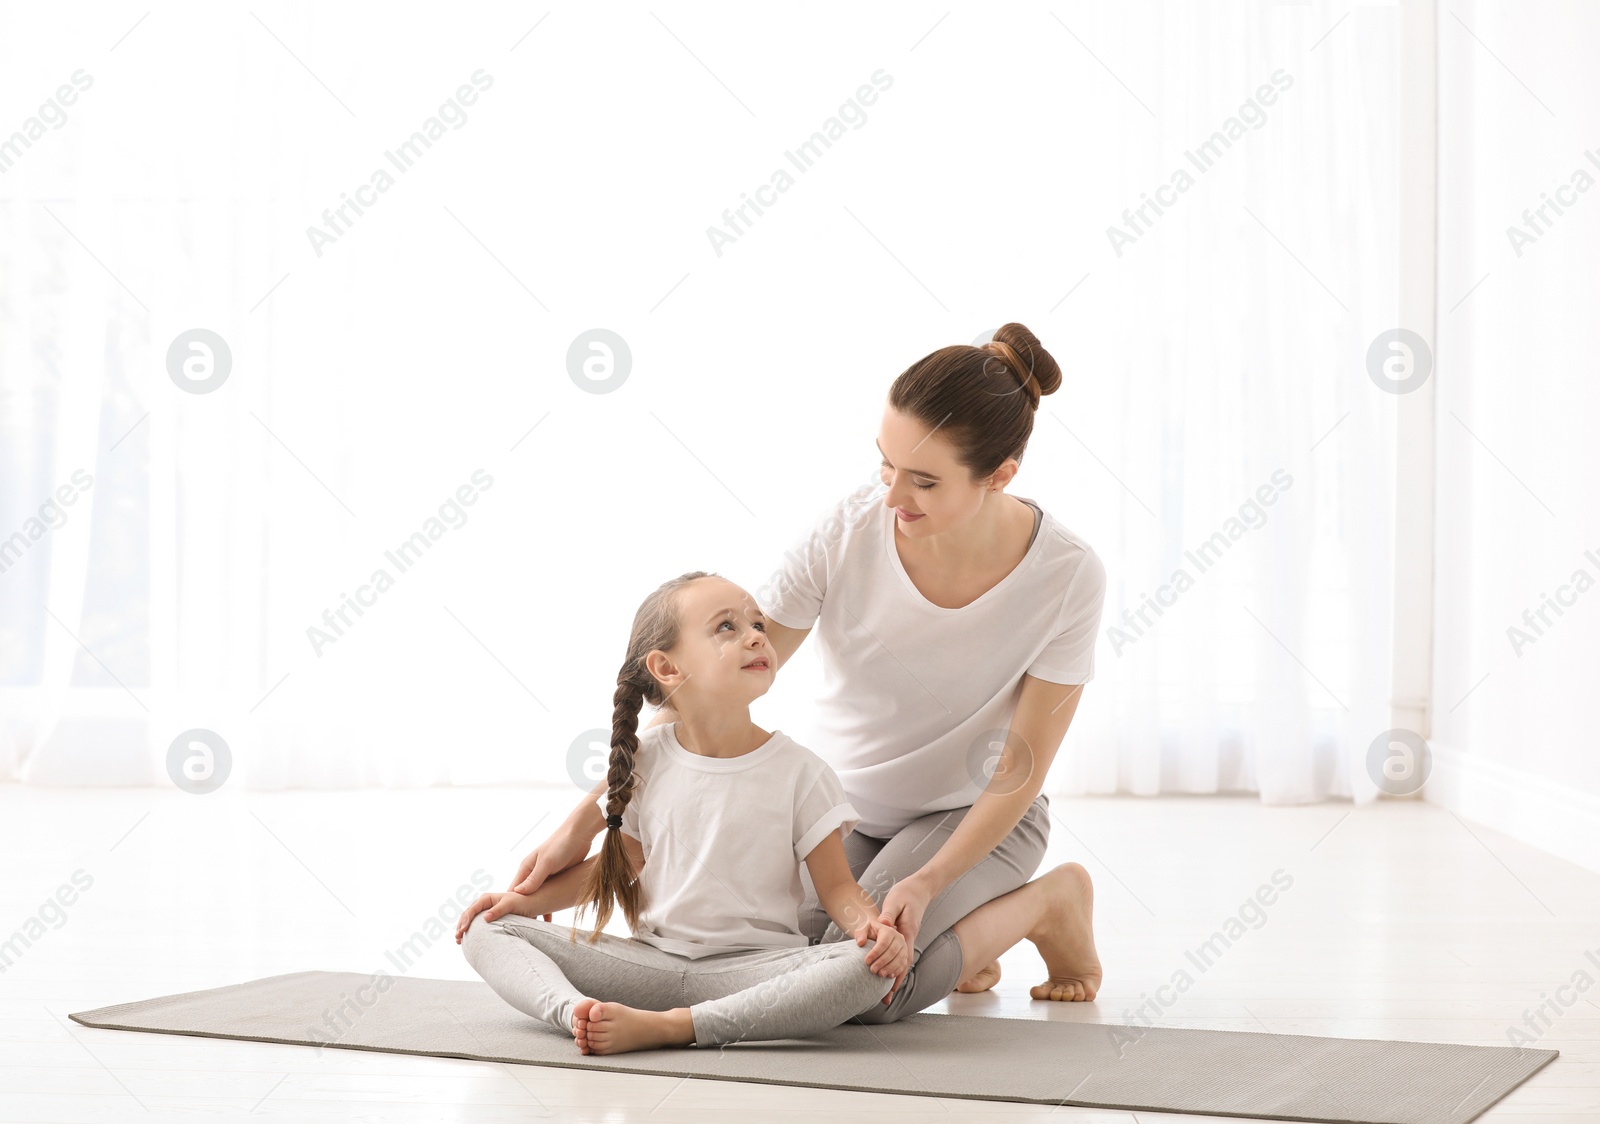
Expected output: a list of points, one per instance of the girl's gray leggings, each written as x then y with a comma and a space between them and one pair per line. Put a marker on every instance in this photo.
733, 996
879, 863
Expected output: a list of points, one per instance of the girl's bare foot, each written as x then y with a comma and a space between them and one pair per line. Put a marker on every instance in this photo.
981, 980
580, 1024
614, 1028
1064, 936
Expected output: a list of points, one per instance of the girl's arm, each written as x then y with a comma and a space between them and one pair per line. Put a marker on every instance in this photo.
1044, 711
853, 909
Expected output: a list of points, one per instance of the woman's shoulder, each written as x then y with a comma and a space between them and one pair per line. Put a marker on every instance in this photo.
838, 537
1064, 542
852, 511
1070, 562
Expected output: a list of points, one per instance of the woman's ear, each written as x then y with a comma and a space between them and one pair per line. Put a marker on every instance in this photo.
1004, 474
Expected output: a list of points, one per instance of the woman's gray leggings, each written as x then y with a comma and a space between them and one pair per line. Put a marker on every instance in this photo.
879, 863
739, 995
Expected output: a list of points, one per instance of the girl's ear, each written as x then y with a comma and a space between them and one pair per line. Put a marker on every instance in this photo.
662, 669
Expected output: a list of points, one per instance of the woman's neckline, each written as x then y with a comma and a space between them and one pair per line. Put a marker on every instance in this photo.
1027, 559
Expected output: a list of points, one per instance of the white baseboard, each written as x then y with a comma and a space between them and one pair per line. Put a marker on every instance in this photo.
1530, 808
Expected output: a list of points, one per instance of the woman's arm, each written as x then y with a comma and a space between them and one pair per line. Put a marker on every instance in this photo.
665, 714
566, 846
564, 889
570, 842
784, 640
1044, 711
560, 891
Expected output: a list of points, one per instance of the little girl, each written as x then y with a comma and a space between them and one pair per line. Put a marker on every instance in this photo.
725, 812
707, 822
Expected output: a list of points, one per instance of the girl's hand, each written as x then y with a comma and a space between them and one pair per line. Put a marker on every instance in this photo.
891, 952
890, 955
497, 905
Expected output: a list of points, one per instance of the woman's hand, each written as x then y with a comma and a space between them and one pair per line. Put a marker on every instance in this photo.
497, 905
904, 906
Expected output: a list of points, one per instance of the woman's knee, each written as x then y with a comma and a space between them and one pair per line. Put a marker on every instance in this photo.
880, 1012
814, 920
1037, 841
873, 986
933, 976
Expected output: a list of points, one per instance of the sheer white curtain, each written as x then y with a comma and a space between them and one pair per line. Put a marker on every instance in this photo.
373, 381
172, 193
1239, 364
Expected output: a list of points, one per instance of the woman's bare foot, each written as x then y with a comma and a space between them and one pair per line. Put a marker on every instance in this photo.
613, 1028
1064, 936
981, 980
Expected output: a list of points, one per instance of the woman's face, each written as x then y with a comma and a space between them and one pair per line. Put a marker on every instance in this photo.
920, 469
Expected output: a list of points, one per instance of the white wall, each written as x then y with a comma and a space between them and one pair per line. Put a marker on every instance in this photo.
1519, 103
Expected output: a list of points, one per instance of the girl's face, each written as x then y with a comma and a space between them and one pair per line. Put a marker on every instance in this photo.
722, 653
928, 490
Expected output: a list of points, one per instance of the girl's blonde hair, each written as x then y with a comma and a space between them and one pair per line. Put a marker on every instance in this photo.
655, 626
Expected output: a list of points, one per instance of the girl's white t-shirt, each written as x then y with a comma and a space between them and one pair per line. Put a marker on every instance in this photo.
724, 838
917, 698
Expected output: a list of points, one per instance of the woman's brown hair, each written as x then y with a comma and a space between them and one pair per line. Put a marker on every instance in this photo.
981, 399
656, 626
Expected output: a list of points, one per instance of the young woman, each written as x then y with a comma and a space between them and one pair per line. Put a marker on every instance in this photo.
707, 823
957, 627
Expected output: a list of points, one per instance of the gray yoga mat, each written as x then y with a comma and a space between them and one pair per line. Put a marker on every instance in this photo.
1094, 1065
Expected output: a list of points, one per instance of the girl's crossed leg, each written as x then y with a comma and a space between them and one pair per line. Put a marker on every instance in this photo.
619, 995
878, 864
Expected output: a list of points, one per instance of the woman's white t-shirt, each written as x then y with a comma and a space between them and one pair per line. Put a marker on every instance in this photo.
916, 698
724, 838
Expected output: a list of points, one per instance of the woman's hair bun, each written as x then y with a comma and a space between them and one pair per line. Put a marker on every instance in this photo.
1034, 367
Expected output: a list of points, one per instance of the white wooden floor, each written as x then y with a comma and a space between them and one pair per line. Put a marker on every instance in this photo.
1401, 922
